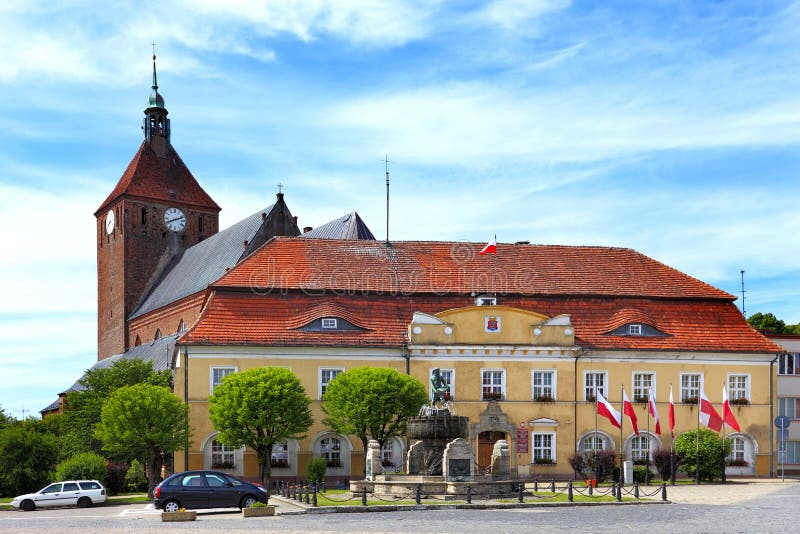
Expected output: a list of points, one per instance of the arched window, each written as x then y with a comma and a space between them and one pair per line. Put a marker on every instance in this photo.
280, 455
330, 448
181, 327
737, 449
137, 342
158, 335
222, 456
640, 448
595, 441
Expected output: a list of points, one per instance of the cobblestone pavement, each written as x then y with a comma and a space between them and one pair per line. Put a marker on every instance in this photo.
737, 491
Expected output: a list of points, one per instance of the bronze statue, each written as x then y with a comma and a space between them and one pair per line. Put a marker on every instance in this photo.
440, 389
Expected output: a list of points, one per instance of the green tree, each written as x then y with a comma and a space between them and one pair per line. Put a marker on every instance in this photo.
27, 457
83, 466
372, 402
5, 419
84, 406
143, 421
710, 447
767, 322
259, 408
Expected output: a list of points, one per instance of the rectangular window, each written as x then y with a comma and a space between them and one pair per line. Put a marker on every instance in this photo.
690, 387
218, 373
788, 364
449, 378
792, 454
592, 382
280, 455
738, 388
544, 385
642, 382
493, 384
786, 406
330, 323
544, 447
325, 377
222, 456
635, 329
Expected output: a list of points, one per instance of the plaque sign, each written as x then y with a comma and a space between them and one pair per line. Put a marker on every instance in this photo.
522, 439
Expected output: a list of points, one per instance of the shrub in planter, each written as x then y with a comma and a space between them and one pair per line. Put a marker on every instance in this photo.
639, 473
544, 461
662, 463
544, 398
738, 463
578, 464
315, 472
83, 466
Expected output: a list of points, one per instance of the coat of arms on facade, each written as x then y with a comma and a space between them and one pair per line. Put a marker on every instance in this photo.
492, 323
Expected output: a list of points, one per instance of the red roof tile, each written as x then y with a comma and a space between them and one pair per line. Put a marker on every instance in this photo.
411, 267
153, 178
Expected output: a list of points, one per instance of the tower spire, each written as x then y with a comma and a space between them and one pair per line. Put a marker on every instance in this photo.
156, 124
155, 80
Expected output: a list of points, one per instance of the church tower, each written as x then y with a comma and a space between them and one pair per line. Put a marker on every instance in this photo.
156, 210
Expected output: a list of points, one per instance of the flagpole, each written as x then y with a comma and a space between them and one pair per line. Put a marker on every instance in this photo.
724, 480
494, 270
697, 449
649, 444
672, 443
621, 444
594, 445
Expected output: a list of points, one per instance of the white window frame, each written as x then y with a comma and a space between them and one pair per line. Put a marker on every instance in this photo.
640, 453
280, 451
552, 386
330, 450
225, 452
634, 329
211, 383
502, 384
681, 396
603, 389
322, 385
452, 382
787, 406
784, 360
585, 441
636, 391
738, 449
552, 448
733, 393
332, 323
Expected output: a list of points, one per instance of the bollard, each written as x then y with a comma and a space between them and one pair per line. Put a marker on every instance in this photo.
570, 497
314, 497
553, 485
308, 495
636, 490
469, 495
293, 492
417, 492
663, 491
364, 495
613, 489
591, 490
323, 485
519, 493
536, 485
619, 493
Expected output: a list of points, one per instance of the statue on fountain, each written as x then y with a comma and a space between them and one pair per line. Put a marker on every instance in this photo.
440, 389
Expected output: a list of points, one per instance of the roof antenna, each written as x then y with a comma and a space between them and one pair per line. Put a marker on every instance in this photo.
743, 292
386, 165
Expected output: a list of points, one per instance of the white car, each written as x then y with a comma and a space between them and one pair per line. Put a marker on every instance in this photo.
81, 493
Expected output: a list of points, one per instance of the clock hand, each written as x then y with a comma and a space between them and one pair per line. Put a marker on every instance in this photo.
176, 219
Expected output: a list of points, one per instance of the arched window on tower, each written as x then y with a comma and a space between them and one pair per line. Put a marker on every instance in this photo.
137, 342
158, 335
181, 327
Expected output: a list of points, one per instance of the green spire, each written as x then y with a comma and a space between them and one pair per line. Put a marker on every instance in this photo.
156, 100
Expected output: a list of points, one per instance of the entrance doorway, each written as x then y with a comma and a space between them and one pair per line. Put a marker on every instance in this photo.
486, 441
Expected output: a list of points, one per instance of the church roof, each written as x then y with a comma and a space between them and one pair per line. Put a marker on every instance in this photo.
151, 177
350, 226
200, 265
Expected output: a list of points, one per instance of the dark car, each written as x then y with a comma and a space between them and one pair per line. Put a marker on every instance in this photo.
206, 489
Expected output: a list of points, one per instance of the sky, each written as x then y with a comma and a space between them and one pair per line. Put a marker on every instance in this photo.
671, 128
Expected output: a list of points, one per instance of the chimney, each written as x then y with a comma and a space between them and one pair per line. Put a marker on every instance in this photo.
245, 244
263, 216
295, 220
307, 229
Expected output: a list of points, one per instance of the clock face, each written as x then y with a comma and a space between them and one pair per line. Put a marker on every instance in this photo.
110, 221
174, 219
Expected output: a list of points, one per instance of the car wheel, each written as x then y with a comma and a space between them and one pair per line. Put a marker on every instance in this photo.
84, 502
172, 506
28, 506
248, 501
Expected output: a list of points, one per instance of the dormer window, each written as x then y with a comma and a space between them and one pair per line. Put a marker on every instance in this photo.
486, 300
635, 329
330, 323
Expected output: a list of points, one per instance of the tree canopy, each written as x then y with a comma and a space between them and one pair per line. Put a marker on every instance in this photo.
372, 402
84, 406
143, 421
767, 322
28, 455
709, 446
259, 408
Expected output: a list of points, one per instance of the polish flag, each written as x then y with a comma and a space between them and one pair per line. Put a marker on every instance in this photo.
727, 414
627, 409
671, 413
605, 409
651, 401
708, 415
491, 248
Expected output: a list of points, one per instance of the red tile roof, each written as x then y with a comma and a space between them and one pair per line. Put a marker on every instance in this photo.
411, 267
150, 177
236, 317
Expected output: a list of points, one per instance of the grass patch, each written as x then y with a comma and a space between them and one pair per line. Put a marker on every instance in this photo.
133, 498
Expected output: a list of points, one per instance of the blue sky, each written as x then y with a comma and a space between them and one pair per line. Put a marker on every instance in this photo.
669, 127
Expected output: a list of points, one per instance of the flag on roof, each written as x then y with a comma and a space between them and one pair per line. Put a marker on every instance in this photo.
708, 415
490, 248
605, 409
727, 414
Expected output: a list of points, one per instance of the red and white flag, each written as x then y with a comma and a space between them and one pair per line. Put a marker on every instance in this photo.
708, 415
490, 248
727, 415
671, 413
651, 401
627, 409
605, 409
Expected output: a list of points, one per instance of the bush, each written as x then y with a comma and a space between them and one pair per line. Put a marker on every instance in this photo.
597, 465
315, 472
115, 478
83, 466
639, 474
710, 449
27, 457
578, 463
662, 463
135, 479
